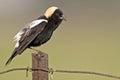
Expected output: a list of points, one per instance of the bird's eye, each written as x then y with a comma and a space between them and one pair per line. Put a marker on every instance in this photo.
60, 14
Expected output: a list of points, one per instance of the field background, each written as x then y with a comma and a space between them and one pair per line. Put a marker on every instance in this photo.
89, 40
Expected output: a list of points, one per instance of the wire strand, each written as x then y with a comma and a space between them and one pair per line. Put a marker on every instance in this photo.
88, 72
60, 71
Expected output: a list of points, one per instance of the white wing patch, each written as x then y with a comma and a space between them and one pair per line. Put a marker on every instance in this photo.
18, 35
27, 29
36, 22
17, 44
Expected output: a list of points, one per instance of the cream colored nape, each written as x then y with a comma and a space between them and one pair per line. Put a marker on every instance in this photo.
50, 11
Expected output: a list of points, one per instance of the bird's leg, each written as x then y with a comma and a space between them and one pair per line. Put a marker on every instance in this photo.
34, 49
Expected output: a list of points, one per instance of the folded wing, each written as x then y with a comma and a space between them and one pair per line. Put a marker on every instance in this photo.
26, 36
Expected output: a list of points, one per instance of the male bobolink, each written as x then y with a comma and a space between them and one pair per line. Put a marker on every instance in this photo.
38, 31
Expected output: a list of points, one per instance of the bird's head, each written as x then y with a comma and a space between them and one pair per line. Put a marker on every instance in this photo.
54, 13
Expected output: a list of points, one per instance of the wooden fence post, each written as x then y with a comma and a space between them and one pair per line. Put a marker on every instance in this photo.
39, 60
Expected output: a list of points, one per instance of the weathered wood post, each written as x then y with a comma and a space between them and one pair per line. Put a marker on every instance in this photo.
39, 61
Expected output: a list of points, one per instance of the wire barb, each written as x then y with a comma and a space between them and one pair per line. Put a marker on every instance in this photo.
27, 69
51, 71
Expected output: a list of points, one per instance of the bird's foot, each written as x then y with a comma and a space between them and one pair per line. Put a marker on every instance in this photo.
35, 50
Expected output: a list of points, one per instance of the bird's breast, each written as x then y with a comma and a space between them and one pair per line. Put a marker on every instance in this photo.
42, 38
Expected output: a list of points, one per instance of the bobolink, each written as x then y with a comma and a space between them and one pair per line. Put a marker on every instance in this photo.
38, 31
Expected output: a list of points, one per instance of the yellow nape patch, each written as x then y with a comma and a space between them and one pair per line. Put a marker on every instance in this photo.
50, 11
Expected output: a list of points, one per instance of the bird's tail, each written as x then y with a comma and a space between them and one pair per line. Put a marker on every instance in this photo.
15, 52
11, 57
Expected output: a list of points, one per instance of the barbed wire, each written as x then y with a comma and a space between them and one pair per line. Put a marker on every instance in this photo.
51, 70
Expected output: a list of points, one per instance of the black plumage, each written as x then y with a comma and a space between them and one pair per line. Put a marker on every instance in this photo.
37, 32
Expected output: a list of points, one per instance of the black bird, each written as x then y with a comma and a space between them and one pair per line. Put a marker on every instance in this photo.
38, 31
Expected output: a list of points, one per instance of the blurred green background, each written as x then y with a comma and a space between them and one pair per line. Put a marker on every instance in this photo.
89, 40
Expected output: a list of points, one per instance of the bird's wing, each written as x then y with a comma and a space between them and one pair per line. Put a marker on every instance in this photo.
26, 36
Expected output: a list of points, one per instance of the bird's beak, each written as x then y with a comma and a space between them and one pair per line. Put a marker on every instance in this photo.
63, 18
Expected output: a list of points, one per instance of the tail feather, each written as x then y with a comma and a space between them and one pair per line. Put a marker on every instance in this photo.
11, 57
15, 52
